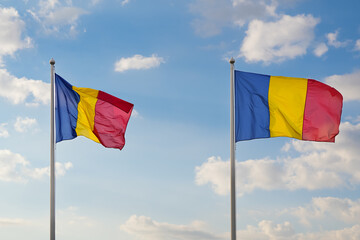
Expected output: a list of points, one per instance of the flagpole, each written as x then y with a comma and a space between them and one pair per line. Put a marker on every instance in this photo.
52, 156
232, 152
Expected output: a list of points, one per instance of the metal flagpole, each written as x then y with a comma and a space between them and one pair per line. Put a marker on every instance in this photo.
52, 156
232, 152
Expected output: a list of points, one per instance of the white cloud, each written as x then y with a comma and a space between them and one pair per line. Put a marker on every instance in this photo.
348, 85
56, 17
3, 131
12, 166
320, 49
144, 228
125, 2
268, 230
342, 234
318, 166
357, 45
332, 40
15, 168
19, 90
23, 124
138, 62
94, 2
147, 229
321, 208
11, 221
216, 172
38, 173
11, 33
213, 15
136, 114
71, 217
287, 38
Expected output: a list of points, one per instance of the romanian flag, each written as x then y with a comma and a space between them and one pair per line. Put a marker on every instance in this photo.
270, 106
91, 113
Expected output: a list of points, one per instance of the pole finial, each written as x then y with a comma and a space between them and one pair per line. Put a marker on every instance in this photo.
52, 61
232, 60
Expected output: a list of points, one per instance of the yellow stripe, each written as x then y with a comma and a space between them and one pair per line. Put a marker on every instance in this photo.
86, 112
287, 98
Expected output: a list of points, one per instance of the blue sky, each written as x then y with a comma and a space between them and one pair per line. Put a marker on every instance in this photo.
170, 59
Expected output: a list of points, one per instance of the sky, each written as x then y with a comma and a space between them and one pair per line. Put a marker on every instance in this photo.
171, 60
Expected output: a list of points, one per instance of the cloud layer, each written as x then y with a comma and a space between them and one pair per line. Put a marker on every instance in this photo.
318, 166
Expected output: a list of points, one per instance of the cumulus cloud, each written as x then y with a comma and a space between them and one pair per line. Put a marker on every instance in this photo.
57, 17
318, 166
23, 124
11, 33
348, 85
320, 49
287, 38
138, 62
213, 15
147, 229
20, 90
15, 168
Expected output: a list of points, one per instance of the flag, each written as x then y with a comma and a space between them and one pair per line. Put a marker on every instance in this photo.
270, 106
87, 112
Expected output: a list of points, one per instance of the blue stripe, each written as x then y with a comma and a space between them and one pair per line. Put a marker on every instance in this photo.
66, 113
252, 117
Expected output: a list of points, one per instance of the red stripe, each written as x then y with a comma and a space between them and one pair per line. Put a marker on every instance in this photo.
123, 105
111, 120
322, 112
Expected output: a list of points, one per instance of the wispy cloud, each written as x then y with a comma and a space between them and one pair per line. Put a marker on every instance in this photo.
11, 221
124, 2
23, 124
147, 229
214, 15
3, 131
357, 45
57, 17
138, 62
